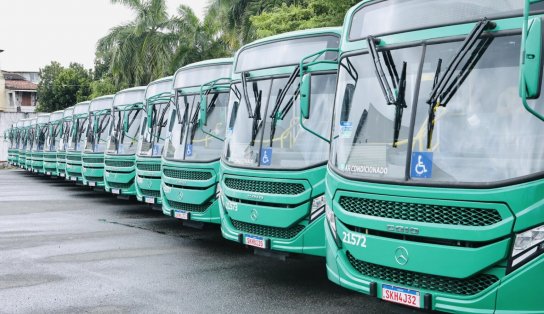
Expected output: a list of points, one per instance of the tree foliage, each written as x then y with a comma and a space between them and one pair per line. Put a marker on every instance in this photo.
310, 14
61, 87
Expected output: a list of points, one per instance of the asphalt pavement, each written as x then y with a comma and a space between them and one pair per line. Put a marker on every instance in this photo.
68, 249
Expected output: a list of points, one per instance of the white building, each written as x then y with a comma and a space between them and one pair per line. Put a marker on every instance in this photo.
17, 94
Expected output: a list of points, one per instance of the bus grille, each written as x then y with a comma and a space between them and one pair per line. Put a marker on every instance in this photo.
73, 174
190, 207
438, 214
117, 185
152, 193
75, 158
61, 155
118, 163
272, 232
467, 286
188, 175
50, 169
264, 186
94, 179
148, 167
93, 160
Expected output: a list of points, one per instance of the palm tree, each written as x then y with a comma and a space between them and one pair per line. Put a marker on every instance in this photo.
199, 40
234, 17
140, 50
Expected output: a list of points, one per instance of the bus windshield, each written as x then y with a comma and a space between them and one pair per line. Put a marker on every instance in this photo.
54, 136
66, 133
98, 131
154, 138
188, 141
481, 135
79, 130
258, 139
125, 130
41, 133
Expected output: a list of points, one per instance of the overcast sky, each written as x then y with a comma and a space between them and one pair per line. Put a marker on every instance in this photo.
35, 32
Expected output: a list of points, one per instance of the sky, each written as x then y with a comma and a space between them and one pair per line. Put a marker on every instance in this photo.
35, 32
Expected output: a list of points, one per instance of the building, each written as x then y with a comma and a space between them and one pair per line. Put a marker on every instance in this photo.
17, 93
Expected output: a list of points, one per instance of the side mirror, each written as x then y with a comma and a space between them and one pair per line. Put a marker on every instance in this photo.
305, 89
203, 109
171, 121
531, 63
346, 102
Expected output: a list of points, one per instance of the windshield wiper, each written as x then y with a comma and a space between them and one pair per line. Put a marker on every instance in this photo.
393, 96
194, 122
257, 122
184, 119
448, 84
278, 114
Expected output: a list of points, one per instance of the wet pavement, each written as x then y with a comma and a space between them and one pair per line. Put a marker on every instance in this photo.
66, 249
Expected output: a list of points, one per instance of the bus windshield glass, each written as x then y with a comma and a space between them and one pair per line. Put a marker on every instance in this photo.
393, 16
54, 136
98, 131
159, 107
125, 130
79, 130
270, 135
479, 131
190, 142
42, 131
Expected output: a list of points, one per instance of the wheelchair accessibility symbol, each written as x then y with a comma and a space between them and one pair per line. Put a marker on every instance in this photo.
422, 165
189, 150
266, 156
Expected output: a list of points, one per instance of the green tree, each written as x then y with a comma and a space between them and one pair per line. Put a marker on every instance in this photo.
310, 14
63, 87
102, 87
46, 96
140, 50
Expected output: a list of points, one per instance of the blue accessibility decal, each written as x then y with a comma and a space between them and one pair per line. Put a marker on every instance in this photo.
189, 150
266, 156
422, 165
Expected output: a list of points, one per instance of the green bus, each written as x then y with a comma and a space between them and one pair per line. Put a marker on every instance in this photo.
119, 161
98, 132
76, 142
274, 162
154, 129
19, 135
435, 187
11, 136
30, 141
65, 139
52, 142
40, 134
24, 142
190, 163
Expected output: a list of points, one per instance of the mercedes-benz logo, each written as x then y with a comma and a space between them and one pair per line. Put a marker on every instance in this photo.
254, 214
401, 256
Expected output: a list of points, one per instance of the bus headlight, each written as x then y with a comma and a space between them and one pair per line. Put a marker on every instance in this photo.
331, 220
218, 191
527, 244
318, 207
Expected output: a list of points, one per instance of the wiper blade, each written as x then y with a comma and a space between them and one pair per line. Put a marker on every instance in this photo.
257, 123
194, 122
445, 87
397, 97
278, 114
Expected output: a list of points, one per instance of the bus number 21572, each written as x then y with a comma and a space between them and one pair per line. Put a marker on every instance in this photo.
354, 239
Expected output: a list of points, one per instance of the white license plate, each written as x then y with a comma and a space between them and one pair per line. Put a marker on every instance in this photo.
62, 175
73, 178
92, 183
401, 295
150, 200
255, 241
181, 214
48, 173
116, 191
